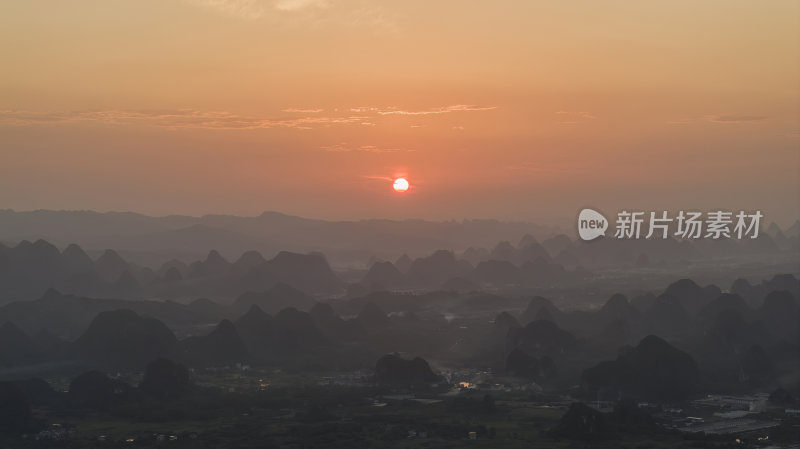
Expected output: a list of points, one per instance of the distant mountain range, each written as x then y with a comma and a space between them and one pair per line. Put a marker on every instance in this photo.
152, 240
28, 269
701, 330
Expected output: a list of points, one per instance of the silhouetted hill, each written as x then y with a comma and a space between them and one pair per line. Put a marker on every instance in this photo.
403, 263
38, 392
382, 276
755, 294
497, 273
504, 251
110, 266
526, 240
653, 370
503, 322
541, 337
689, 295
295, 330
28, 269
667, 317
95, 390
213, 265
223, 346
289, 333
556, 244
615, 334
50, 347
333, 327
756, 367
582, 422
596, 428
520, 364
536, 304
16, 416
643, 302
618, 308
530, 252
434, 270
126, 287
164, 379
309, 272
729, 334
68, 316
539, 272
123, 338
475, 255
177, 236
247, 262
178, 265
726, 301
255, 329
16, 347
780, 313
274, 300
76, 261
396, 370
372, 316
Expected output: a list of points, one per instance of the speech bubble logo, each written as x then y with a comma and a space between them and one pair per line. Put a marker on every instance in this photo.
591, 224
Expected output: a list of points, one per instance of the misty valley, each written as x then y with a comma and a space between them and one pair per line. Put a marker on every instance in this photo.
545, 342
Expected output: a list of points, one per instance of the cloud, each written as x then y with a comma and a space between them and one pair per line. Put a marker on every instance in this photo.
220, 120
345, 148
438, 110
171, 119
378, 177
731, 119
244, 9
364, 109
256, 9
296, 5
348, 13
303, 111
735, 118
577, 114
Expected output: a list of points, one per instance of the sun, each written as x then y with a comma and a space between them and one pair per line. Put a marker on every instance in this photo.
400, 185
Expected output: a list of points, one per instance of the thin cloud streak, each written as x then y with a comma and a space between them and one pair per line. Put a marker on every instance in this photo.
178, 119
310, 13
296, 5
735, 118
345, 148
304, 111
378, 177
243, 9
731, 119
439, 110
220, 120
580, 114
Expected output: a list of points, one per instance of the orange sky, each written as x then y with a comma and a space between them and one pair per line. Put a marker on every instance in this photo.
513, 110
